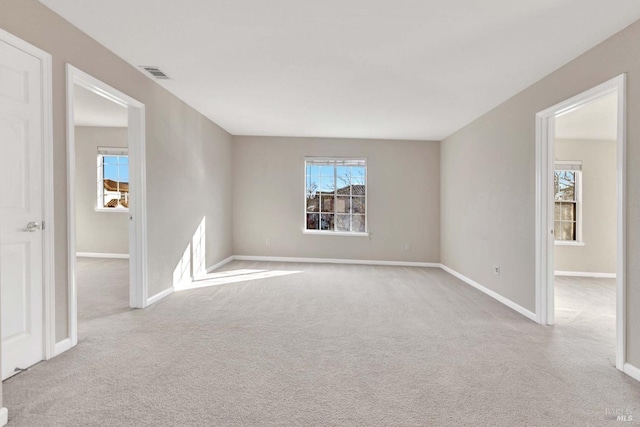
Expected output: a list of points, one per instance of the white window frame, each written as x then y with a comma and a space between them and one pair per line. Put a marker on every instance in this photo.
107, 151
572, 166
366, 198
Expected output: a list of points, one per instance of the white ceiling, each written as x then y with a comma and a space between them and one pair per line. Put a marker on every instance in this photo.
595, 121
94, 110
405, 69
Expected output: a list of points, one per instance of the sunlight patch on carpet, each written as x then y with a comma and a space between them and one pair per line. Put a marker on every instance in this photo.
235, 276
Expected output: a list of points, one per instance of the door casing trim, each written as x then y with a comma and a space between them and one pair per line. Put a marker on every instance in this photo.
137, 178
545, 156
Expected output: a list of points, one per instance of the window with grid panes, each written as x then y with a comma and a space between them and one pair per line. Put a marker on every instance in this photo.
336, 195
566, 184
113, 179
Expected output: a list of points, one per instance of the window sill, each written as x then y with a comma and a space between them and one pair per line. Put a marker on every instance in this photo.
568, 243
112, 210
335, 233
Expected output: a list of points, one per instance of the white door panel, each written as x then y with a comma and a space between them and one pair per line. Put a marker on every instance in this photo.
21, 279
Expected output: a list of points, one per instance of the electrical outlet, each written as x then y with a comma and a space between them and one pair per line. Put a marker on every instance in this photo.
267, 242
496, 270
407, 247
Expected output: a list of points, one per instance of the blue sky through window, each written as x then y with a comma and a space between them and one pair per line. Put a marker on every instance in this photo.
116, 168
321, 178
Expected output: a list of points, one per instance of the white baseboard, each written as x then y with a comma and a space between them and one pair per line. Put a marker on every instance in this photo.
220, 264
334, 261
632, 371
585, 274
101, 255
62, 346
512, 305
4, 416
160, 295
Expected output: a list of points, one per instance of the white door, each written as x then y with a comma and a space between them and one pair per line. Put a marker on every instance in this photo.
21, 210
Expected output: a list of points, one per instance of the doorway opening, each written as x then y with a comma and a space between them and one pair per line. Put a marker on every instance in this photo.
585, 214
580, 228
106, 201
102, 206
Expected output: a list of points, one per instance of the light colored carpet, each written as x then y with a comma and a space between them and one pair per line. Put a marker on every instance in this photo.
103, 289
587, 306
332, 345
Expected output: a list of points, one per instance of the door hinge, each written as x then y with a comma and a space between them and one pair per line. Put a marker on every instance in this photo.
42, 226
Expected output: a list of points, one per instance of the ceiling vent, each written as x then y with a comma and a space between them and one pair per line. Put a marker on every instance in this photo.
155, 72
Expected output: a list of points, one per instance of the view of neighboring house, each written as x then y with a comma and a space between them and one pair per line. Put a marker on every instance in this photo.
116, 194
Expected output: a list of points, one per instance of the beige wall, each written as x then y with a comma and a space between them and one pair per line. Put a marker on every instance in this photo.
97, 232
187, 155
403, 199
488, 180
598, 207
